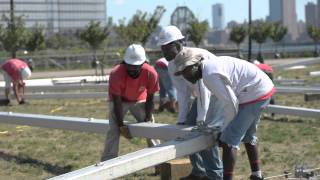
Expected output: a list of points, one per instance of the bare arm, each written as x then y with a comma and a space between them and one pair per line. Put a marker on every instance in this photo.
149, 107
117, 109
18, 89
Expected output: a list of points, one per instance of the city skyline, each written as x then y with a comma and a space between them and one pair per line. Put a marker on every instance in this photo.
119, 9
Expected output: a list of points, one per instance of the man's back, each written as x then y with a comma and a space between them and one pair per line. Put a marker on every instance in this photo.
13, 67
247, 81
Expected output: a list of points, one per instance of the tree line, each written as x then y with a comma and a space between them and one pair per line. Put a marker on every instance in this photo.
262, 30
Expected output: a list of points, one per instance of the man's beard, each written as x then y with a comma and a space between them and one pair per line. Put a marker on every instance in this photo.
133, 74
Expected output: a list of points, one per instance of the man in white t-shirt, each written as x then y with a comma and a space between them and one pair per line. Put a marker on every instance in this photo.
243, 89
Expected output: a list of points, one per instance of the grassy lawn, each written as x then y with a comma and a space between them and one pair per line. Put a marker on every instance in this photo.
39, 153
301, 74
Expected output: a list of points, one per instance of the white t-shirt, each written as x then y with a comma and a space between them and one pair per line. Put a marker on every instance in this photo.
234, 81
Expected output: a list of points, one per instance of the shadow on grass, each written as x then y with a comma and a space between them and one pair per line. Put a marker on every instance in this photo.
53, 169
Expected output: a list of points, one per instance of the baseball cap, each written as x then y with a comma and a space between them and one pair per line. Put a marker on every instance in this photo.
185, 58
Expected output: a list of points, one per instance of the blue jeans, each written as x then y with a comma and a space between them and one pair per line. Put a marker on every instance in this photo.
244, 126
207, 162
166, 85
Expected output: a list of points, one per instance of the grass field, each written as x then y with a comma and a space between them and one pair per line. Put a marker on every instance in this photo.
38, 153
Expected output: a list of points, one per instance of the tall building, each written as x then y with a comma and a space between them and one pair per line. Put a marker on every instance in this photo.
284, 11
218, 16
311, 14
57, 15
275, 10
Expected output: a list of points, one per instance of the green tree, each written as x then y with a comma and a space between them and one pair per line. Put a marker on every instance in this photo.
36, 38
197, 31
277, 33
1, 30
314, 34
260, 32
58, 41
13, 35
237, 35
140, 27
1, 35
94, 35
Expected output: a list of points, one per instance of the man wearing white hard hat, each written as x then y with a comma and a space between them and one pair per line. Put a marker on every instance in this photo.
205, 109
15, 71
132, 85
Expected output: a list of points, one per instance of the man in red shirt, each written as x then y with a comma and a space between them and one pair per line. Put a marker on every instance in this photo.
167, 89
132, 85
15, 71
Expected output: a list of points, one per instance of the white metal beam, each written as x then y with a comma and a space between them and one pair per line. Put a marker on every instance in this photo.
49, 95
44, 95
150, 130
289, 80
56, 122
100, 125
303, 90
306, 62
147, 130
294, 111
63, 95
102, 86
142, 159
314, 73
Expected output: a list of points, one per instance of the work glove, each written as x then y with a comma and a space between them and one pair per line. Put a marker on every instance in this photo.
124, 131
202, 127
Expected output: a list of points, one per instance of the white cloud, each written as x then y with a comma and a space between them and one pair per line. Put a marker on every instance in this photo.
119, 2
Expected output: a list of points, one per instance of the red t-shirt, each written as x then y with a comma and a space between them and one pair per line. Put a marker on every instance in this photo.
132, 90
265, 68
162, 63
13, 67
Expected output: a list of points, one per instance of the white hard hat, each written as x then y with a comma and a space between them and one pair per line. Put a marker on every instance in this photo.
25, 73
135, 55
169, 34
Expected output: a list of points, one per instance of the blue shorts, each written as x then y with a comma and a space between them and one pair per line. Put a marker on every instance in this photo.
244, 126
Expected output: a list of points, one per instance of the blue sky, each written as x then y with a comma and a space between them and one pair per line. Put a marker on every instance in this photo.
234, 9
